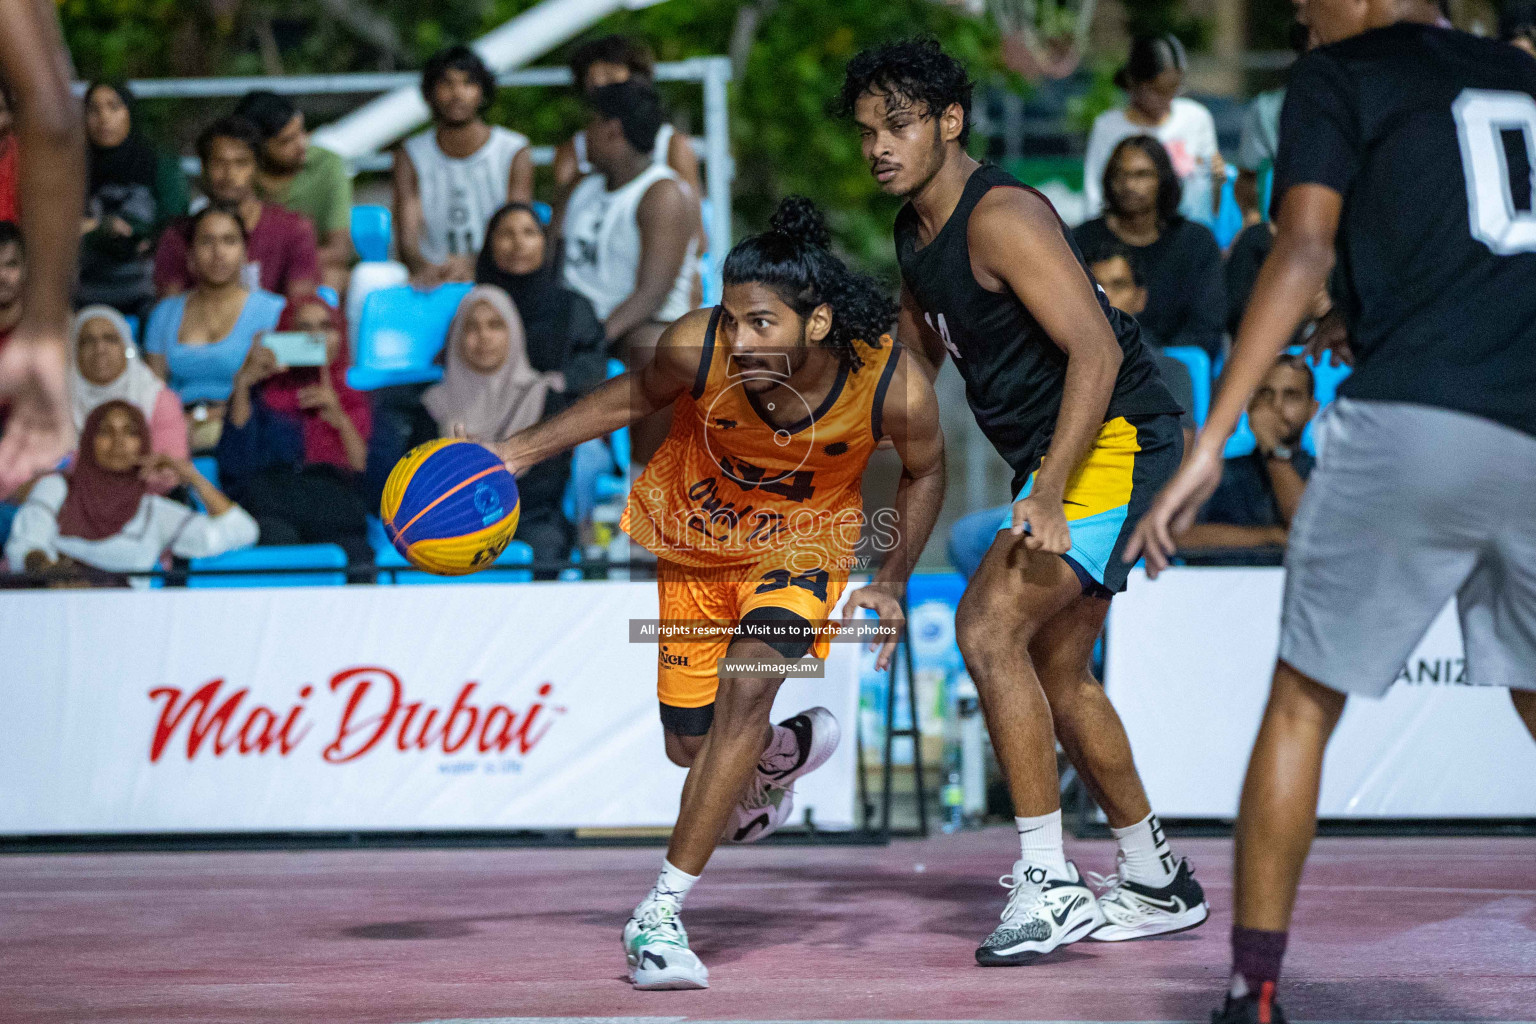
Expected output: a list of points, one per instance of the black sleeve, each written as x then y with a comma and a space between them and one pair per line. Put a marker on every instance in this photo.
1204, 318
586, 354
1320, 134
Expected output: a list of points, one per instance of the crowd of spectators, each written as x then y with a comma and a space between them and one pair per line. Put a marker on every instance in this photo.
176, 297
184, 304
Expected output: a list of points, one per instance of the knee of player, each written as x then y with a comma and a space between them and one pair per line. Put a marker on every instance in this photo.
681, 750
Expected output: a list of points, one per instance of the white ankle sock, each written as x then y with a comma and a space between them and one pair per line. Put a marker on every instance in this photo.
1147, 859
784, 745
671, 885
1040, 842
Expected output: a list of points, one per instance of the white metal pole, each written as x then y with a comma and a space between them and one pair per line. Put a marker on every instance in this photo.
380, 122
719, 167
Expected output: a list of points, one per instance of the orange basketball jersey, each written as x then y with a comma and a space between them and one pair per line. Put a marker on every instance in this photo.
728, 488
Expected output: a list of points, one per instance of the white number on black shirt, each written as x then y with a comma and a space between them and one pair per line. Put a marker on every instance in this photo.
1483, 116
943, 329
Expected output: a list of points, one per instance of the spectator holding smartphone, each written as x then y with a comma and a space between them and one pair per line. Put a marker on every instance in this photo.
295, 441
100, 519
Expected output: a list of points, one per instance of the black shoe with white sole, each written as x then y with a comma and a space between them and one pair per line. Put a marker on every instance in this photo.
1136, 911
1043, 914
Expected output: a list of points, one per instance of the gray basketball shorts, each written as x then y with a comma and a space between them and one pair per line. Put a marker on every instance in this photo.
1408, 506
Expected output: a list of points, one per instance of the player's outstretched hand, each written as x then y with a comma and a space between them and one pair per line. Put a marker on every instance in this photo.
878, 598
39, 431
1173, 510
1046, 520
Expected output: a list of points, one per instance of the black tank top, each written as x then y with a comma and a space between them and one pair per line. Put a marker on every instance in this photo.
1013, 372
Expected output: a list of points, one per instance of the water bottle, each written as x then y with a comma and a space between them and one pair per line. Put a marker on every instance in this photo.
954, 800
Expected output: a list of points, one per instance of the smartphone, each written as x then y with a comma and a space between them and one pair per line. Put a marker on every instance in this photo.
296, 348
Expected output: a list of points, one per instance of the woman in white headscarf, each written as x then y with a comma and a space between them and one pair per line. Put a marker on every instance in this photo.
490, 391
107, 367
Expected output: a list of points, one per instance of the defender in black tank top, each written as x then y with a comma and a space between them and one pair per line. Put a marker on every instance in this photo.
1013, 372
1061, 384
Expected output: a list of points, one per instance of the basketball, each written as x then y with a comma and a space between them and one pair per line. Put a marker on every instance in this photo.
450, 507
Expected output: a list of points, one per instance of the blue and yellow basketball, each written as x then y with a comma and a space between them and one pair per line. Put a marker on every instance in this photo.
450, 507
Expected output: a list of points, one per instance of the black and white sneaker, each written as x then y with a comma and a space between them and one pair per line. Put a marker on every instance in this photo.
817, 733
1042, 915
1250, 1009
1135, 911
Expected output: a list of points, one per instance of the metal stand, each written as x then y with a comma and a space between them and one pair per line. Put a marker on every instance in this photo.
914, 733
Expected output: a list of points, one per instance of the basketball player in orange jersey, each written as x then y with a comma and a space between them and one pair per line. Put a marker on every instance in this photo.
752, 505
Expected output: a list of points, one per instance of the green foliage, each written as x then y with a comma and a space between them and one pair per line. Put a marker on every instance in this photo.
1162, 17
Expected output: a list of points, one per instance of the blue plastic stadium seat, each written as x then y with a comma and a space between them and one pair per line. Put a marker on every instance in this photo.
209, 467
275, 557
393, 568
1199, 364
329, 296
400, 333
371, 226
543, 212
133, 326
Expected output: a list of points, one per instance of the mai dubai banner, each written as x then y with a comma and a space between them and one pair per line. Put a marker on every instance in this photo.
353, 708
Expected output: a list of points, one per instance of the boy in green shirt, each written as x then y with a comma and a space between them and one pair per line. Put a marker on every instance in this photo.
305, 179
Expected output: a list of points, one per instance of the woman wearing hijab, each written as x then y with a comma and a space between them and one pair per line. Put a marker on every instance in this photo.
295, 441
106, 367
132, 191
491, 390
564, 335
102, 516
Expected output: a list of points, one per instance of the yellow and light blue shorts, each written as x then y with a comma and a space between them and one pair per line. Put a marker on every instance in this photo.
1131, 460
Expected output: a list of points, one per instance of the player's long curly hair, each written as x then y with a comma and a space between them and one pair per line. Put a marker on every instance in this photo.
794, 258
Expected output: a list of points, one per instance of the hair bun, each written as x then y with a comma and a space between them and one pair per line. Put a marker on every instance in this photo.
799, 218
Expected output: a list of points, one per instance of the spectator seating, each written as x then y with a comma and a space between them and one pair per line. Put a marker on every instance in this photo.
599, 468
399, 334
393, 568
371, 228
1199, 363
328, 295
277, 556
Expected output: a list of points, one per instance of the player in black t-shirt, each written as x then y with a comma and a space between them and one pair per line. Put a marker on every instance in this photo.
1406, 152
1064, 389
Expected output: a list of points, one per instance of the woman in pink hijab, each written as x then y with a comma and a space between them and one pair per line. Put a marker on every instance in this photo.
490, 391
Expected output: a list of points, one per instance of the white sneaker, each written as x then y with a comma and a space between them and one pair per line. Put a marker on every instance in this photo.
1136, 911
656, 947
1042, 915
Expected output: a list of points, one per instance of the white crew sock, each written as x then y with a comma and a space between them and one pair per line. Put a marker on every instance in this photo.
671, 885
1040, 842
782, 750
1146, 857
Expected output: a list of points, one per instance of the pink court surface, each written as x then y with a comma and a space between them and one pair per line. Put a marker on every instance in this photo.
1439, 929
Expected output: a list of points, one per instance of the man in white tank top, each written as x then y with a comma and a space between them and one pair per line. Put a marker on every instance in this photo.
608, 60
629, 226
450, 178
630, 232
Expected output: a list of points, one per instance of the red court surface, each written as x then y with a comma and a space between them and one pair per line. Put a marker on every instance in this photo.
1386, 930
